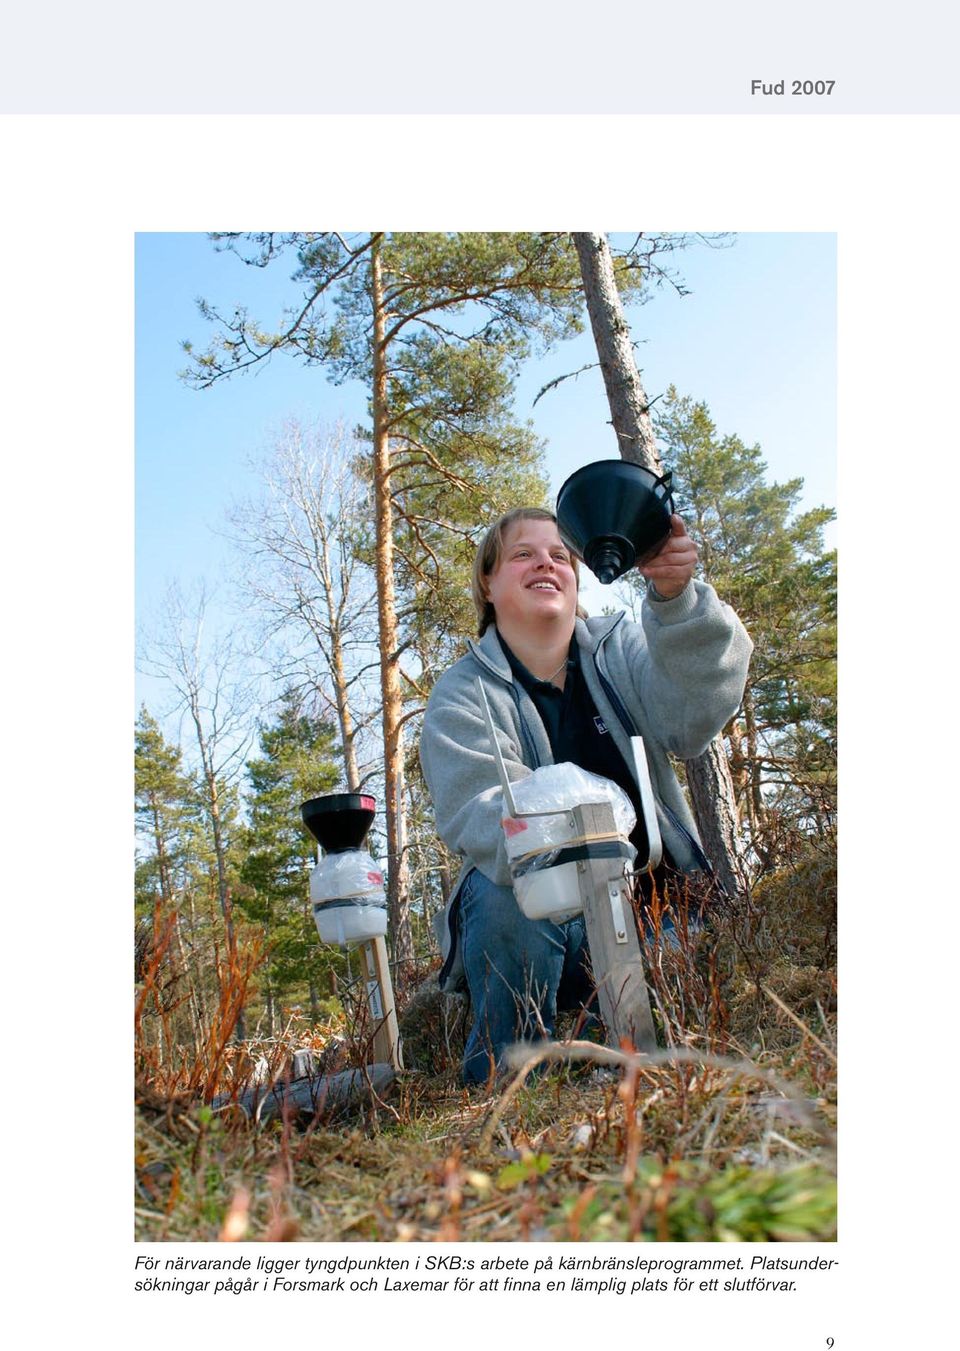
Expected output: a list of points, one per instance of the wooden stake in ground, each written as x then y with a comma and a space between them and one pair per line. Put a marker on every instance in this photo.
381, 1003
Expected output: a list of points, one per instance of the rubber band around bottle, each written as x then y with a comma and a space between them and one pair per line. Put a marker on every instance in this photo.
347, 901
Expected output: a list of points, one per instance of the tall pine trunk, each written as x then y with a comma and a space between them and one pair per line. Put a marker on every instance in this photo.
398, 891
714, 806
711, 786
629, 412
338, 676
739, 768
753, 759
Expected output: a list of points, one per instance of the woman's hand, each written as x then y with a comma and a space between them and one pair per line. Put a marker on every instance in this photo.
675, 564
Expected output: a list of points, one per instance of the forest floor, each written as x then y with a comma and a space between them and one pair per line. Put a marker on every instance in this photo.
726, 1134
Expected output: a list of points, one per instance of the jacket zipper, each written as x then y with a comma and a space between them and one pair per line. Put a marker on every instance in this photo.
525, 733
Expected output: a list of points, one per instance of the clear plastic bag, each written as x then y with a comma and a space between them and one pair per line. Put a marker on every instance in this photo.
544, 888
351, 874
553, 790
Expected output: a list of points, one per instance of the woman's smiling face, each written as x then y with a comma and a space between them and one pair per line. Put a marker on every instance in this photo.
534, 579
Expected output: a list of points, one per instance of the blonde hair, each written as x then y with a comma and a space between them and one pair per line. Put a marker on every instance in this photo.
487, 560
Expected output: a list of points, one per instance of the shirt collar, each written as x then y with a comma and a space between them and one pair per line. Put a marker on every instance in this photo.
529, 681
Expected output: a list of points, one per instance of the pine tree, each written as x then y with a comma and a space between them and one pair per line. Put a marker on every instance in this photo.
296, 763
431, 323
708, 775
478, 469
766, 559
165, 808
161, 791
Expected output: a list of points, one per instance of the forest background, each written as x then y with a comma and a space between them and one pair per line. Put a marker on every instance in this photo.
344, 594
748, 322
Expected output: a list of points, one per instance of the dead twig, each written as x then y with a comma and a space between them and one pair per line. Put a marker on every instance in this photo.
799, 1021
525, 1058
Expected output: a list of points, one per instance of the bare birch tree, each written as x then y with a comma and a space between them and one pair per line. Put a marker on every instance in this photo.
215, 697
300, 540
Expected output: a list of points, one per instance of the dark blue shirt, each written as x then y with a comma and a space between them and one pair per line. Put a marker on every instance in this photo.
577, 732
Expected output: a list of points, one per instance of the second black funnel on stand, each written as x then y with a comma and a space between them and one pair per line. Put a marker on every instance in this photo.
615, 514
339, 821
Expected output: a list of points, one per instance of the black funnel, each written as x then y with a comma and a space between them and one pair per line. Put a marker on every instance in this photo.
615, 514
339, 821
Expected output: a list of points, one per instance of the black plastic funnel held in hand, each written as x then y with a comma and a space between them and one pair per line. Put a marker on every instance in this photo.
615, 514
339, 821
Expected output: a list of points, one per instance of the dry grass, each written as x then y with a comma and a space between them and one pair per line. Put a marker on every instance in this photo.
727, 1134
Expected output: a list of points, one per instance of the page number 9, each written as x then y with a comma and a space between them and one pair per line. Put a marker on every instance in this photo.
829, 1341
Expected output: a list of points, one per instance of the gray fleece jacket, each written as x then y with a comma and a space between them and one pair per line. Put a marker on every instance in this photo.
675, 679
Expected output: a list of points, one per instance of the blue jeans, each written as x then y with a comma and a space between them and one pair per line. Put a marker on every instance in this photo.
519, 972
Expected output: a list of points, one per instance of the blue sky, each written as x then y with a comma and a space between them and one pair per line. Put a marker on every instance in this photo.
755, 339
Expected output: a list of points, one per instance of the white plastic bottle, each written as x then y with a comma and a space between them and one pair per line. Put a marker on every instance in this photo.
349, 904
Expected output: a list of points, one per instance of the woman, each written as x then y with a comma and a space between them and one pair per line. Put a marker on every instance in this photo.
562, 687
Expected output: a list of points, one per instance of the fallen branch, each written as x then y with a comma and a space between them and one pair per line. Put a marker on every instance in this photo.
320, 1097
